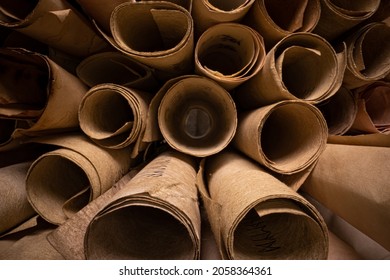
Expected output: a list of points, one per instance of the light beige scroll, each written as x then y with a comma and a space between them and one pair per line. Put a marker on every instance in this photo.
255, 216
230, 54
368, 55
197, 116
114, 116
339, 16
61, 182
207, 13
276, 19
353, 182
53, 22
286, 137
116, 68
373, 114
155, 216
301, 66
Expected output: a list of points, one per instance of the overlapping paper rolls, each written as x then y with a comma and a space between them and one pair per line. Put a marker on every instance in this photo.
275, 20
286, 137
114, 116
300, 66
59, 183
353, 182
155, 216
230, 54
255, 216
52, 22
197, 116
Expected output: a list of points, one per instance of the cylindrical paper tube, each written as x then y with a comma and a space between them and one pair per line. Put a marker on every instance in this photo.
339, 16
339, 111
286, 137
353, 182
368, 55
276, 19
52, 22
255, 216
59, 183
207, 13
301, 66
155, 216
114, 116
197, 117
230, 54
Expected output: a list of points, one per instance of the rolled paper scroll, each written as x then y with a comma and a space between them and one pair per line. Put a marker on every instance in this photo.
358, 191
286, 137
116, 68
61, 182
156, 209
275, 20
114, 116
368, 55
230, 54
197, 116
52, 22
207, 13
301, 66
255, 216
338, 16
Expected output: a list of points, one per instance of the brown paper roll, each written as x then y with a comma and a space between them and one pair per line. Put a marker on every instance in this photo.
230, 54
59, 183
358, 191
301, 66
156, 209
286, 137
197, 116
52, 22
255, 216
337, 16
368, 55
276, 19
120, 119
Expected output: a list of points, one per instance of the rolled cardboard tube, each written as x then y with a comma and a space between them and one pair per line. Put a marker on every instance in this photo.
255, 216
286, 137
197, 116
157, 208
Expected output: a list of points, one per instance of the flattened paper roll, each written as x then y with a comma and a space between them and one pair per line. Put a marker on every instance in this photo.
286, 137
197, 116
255, 216
61, 182
368, 55
276, 19
338, 16
301, 66
114, 116
353, 182
52, 22
230, 54
155, 216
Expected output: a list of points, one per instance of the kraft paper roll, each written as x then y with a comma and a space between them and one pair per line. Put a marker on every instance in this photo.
255, 216
61, 182
275, 20
114, 116
358, 191
52, 22
338, 17
156, 209
368, 55
286, 137
230, 54
302, 66
197, 116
